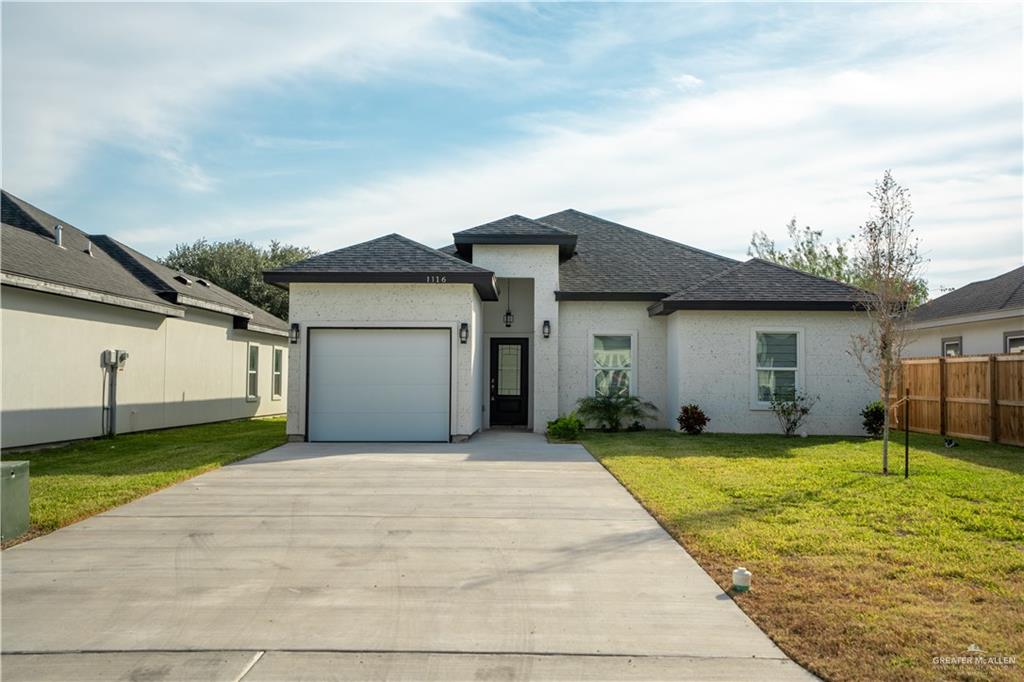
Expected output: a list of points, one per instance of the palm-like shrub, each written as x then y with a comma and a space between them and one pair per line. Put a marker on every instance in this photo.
609, 412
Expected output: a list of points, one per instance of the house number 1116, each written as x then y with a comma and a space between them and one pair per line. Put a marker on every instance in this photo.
437, 279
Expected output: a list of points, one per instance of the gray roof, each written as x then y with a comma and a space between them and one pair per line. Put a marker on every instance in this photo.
613, 260
762, 285
515, 225
515, 229
391, 258
28, 249
1005, 292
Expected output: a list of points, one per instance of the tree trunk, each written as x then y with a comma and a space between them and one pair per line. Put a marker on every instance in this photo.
885, 439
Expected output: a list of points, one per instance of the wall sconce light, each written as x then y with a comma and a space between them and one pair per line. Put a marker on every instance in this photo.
463, 332
508, 318
293, 333
546, 328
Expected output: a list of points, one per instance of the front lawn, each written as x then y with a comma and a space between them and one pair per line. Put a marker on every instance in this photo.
855, 575
78, 480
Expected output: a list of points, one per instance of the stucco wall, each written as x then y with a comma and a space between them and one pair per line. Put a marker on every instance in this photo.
713, 360
978, 338
540, 264
394, 305
180, 370
580, 320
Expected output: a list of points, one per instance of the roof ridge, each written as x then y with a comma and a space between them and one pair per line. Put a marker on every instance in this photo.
712, 278
637, 230
806, 274
1014, 291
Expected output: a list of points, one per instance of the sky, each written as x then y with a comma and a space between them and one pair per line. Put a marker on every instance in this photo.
328, 124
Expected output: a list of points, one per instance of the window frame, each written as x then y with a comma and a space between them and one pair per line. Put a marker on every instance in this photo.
250, 372
958, 340
634, 382
1011, 335
276, 373
759, 405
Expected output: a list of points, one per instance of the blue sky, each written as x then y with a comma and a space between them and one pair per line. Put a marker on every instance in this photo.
325, 125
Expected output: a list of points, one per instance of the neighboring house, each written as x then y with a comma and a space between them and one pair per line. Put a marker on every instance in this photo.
520, 318
196, 353
978, 319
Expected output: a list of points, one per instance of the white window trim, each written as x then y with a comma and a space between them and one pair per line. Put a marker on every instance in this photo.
248, 353
756, 404
275, 373
1006, 341
634, 369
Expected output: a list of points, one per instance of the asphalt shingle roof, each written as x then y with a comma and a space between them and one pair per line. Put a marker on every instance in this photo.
1005, 292
390, 253
760, 283
28, 249
515, 225
614, 259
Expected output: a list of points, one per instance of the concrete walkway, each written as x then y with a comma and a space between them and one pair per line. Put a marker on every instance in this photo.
503, 558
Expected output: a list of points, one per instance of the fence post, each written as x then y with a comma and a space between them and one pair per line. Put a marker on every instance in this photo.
993, 400
942, 396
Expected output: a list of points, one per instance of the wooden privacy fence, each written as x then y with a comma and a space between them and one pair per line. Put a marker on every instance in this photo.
977, 396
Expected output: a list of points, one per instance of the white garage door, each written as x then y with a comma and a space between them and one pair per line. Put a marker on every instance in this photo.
379, 384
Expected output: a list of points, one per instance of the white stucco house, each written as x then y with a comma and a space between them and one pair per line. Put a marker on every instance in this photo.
519, 318
195, 352
982, 318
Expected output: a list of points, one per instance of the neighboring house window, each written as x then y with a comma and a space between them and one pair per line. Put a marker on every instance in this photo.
776, 365
278, 373
252, 385
612, 364
1013, 342
952, 347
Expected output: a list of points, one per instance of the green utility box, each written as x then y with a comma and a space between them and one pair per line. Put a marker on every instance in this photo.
13, 499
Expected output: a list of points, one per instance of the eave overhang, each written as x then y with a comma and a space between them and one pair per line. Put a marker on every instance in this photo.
464, 242
486, 283
608, 296
668, 307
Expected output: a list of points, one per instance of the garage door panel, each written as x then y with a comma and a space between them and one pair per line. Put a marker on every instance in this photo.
379, 384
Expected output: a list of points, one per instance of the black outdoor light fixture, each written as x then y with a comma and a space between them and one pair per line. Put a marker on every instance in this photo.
293, 333
546, 328
508, 317
463, 332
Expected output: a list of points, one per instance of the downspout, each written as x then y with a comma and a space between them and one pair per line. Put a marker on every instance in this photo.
112, 414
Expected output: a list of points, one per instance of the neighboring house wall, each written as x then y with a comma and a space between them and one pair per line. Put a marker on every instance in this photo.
391, 305
179, 371
580, 320
712, 362
540, 264
977, 338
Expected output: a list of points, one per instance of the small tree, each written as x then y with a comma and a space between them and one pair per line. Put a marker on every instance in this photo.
889, 259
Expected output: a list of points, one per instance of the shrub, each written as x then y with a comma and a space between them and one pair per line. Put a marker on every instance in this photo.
692, 419
568, 427
636, 426
608, 412
792, 412
874, 418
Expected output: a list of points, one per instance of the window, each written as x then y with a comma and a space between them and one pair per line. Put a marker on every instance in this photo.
1013, 342
776, 365
951, 347
252, 386
278, 382
612, 365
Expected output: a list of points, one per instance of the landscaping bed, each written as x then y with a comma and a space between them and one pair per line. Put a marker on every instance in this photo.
856, 575
74, 481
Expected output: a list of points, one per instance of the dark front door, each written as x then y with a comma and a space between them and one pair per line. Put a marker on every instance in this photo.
508, 382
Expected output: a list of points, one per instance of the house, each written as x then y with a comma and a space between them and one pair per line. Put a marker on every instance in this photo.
195, 352
519, 318
981, 318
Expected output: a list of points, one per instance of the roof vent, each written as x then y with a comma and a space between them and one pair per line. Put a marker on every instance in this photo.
202, 281
183, 279
58, 235
88, 248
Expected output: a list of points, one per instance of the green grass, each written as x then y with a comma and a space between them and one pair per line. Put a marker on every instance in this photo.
72, 482
856, 575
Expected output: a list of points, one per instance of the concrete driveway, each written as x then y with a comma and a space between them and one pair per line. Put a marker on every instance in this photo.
503, 558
